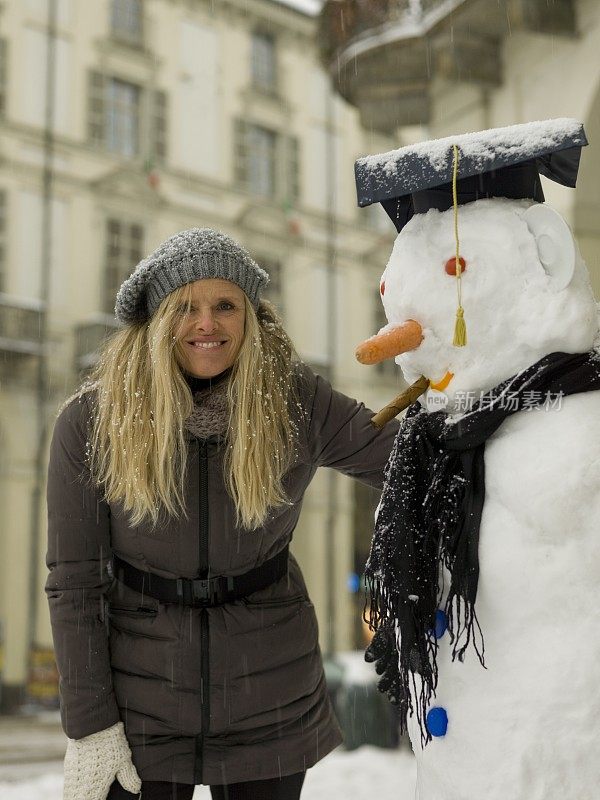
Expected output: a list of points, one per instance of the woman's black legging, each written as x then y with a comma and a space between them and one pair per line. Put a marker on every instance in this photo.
286, 788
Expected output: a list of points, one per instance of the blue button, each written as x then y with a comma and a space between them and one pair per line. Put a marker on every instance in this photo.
441, 624
353, 582
437, 721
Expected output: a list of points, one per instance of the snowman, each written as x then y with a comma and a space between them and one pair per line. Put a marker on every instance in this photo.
484, 572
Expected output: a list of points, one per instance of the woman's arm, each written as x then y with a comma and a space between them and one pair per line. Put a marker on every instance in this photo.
341, 435
78, 557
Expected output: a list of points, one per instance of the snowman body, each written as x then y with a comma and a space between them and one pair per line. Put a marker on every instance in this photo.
528, 726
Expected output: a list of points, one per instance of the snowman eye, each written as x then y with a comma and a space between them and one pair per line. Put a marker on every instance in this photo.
450, 265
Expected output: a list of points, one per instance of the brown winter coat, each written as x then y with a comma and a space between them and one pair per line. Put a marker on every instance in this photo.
213, 695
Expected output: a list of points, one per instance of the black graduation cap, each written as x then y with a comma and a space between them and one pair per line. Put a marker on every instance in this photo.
500, 162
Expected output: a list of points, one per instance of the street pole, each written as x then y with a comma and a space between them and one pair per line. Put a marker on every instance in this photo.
41, 381
331, 309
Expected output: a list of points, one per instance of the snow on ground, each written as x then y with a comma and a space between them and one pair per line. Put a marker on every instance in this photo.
356, 775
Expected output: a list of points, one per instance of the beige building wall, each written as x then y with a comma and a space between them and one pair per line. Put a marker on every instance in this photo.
198, 53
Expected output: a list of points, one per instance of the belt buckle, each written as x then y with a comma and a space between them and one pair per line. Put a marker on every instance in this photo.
202, 591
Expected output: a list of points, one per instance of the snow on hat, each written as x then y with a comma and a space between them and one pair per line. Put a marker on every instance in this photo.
500, 162
186, 257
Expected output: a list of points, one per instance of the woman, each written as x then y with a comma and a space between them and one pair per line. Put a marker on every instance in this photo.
184, 636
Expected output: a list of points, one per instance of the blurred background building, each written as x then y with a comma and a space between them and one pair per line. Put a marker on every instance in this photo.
123, 121
452, 66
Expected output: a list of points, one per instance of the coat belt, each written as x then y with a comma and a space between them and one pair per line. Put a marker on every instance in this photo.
200, 592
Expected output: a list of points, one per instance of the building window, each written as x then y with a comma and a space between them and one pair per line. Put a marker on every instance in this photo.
3, 86
96, 106
387, 368
274, 289
122, 117
124, 249
3, 232
127, 119
266, 162
127, 21
264, 62
290, 156
261, 162
158, 126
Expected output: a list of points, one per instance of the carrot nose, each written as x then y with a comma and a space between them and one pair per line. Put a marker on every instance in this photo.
407, 336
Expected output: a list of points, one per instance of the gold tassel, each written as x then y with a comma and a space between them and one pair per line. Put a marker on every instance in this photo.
460, 329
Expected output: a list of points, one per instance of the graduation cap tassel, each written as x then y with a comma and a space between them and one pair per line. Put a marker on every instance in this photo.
460, 328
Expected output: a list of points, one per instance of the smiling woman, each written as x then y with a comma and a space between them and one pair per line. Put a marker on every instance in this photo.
185, 639
209, 337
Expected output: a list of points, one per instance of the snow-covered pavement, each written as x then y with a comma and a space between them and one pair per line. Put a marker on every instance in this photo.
31, 769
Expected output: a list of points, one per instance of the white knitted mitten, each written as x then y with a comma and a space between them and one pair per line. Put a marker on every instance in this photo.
92, 764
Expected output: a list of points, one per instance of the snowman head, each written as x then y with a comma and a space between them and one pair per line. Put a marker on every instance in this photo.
524, 290
525, 293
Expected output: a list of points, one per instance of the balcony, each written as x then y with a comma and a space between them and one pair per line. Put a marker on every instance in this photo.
385, 54
20, 325
89, 336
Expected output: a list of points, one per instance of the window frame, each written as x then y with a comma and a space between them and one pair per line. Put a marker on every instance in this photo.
151, 118
118, 139
273, 291
263, 61
158, 124
387, 368
285, 163
118, 265
262, 179
123, 12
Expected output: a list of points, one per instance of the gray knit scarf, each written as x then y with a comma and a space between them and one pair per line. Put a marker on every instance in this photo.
211, 413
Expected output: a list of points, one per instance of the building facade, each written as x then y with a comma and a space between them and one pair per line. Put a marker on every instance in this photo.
121, 122
419, 69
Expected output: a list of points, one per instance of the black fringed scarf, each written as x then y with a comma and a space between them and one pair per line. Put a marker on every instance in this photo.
429, 515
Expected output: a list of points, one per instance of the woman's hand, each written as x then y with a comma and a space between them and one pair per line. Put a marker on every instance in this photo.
92, 763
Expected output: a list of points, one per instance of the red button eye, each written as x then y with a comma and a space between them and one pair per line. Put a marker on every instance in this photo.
382, 288
450, 265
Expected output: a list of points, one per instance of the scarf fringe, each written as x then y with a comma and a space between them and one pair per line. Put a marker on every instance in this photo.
464, 625
402, 660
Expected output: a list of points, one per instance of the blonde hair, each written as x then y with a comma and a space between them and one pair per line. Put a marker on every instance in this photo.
138, 449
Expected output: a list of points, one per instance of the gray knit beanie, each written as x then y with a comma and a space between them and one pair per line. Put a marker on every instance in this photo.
185, 257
